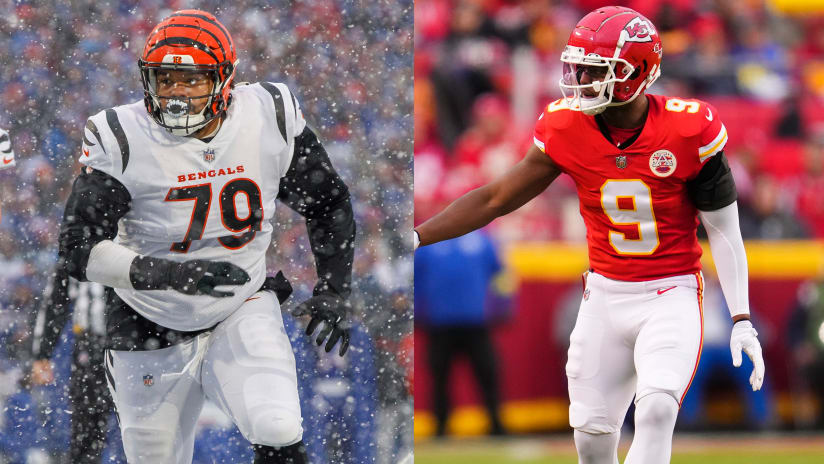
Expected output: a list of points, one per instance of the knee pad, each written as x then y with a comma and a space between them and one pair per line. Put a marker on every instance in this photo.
656, 410
589, 412
274, 427
144, 445
590, 420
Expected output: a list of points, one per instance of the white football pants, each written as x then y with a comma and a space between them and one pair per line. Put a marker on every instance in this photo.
245, 365
632, 339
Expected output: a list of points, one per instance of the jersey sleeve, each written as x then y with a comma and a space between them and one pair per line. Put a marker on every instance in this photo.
539, 133
95, 205
556, 119
713, 135
288, 118
105, 147
6, 153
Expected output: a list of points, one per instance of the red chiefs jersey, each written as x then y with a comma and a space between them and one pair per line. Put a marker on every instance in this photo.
641, 224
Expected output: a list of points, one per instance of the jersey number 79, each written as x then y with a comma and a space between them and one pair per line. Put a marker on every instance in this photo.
202, 195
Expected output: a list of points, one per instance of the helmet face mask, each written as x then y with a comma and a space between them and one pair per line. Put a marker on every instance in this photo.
593, 97
187, 42
618, 51
180, 114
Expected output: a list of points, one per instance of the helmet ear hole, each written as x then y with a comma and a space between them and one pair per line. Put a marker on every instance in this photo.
636, 73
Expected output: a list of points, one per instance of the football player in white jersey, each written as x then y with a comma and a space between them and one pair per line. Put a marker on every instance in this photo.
6, 156
171, 211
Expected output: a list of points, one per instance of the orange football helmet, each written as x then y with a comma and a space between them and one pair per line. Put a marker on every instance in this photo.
188, 40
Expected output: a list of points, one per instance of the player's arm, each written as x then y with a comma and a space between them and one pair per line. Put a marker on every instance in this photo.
714, 195
49, 320
314, 189
477, 208
97, 202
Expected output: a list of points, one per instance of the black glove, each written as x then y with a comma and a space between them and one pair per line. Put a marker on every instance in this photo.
192, 277
333, 311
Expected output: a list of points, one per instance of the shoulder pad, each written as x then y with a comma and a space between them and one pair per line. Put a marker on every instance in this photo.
288, 115
559, 115
105, 145
690, 115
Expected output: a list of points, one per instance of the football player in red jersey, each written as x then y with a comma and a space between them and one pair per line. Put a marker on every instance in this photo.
646, 168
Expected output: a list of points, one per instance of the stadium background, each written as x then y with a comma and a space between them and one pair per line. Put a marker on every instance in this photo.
349, 62
483, 71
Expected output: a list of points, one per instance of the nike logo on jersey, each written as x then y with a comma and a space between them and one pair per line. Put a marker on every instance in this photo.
709, 114
665, 290
7, 160
252, 298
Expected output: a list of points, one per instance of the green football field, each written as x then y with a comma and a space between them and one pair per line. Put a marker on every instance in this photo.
767, 449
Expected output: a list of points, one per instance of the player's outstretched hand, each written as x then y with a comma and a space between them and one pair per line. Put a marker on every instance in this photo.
744, 338
199, 276
333, 311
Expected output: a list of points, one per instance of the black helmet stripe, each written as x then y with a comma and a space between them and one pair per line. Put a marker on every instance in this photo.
184, 41
189, 26
210, 21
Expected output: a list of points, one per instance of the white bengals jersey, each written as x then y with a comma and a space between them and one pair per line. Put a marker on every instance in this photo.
192, 199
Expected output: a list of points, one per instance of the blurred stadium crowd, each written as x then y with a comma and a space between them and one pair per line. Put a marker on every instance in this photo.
348, 62
484, 69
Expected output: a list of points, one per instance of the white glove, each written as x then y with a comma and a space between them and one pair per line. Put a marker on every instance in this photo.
744, 338
417, 239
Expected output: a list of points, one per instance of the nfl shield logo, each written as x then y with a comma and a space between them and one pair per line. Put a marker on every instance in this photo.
148, 380
209, 155
621, 161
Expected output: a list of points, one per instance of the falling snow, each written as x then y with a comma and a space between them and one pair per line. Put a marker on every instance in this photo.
350, 64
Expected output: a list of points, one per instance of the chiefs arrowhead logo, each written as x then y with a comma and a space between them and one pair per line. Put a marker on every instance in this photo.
85, 152
638, 30
7, 160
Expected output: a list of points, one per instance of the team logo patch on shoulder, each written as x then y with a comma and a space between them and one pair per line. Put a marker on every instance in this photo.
662, 163
209, 155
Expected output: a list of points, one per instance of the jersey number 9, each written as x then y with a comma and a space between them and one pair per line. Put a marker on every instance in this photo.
628, 205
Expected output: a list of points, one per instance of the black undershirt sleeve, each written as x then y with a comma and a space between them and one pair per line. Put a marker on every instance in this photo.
713, 188
314, 189
96, 203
